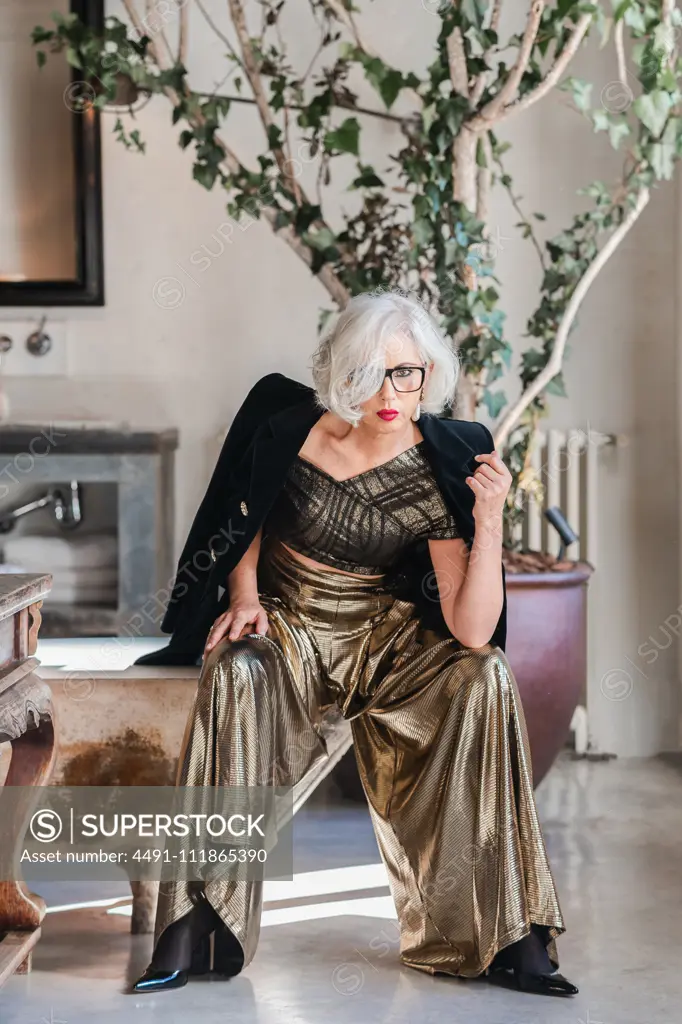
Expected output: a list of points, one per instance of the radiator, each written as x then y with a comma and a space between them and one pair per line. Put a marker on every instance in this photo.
567, 463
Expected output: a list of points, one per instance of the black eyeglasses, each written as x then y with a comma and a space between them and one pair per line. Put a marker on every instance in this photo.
403, 378
406, 378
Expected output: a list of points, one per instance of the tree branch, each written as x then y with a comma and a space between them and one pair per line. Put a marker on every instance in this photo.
667, 11
155, 29
459, 75
555, 361
482, 80
484, 180
495, 17
479, 122
182, 34
339, 102
620, 53
256, 82
287, 120
507, 93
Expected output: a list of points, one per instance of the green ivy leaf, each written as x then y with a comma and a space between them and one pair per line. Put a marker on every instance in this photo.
433, 194
621, 9
137, 139
305, 216
274, 136
422, 231
557, 386
428, 117
41, 35
581, 90
634, 17
663, 154
322, 239
474, 12
618, 130
668, 81
368, 178
73, 58
389, 87
205, 175
600, 119
604, 25
461, 235
494, 402
652, 109
662, 162
345, 138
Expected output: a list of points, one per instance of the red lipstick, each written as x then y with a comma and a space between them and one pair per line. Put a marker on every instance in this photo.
388, 414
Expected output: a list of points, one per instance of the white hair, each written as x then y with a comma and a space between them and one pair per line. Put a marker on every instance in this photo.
349, 362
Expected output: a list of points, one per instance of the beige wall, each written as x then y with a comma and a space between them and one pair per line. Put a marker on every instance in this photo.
255, 309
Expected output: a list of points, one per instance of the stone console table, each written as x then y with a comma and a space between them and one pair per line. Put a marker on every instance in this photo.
27, 722
141, 464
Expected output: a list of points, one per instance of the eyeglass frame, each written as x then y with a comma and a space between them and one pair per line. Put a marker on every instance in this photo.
405, 366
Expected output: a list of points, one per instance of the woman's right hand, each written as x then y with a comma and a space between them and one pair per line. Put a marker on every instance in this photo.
243, 616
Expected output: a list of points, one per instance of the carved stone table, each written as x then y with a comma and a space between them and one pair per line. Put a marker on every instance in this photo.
27, 722
130, 728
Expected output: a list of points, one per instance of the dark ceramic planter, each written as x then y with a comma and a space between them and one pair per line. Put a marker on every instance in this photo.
547, 651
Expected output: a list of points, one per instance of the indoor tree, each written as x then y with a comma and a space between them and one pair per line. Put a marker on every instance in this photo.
421, 222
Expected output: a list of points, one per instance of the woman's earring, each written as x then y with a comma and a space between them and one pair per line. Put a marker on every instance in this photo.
417, 412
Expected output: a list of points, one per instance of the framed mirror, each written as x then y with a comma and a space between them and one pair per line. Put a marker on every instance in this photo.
50, 167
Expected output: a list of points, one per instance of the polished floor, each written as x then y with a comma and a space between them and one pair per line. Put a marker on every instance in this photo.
329, 946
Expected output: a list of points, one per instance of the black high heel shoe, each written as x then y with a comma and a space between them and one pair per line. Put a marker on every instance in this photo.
546, 984
155, 979
528, 962
543, 983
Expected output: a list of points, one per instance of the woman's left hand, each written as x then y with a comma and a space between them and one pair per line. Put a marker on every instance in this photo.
490, 483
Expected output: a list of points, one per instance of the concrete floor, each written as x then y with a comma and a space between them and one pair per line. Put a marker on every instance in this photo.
613, 831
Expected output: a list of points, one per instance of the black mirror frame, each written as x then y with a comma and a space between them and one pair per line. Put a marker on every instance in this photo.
87, 288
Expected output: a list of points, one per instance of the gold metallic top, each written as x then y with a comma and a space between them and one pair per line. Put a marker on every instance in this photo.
363, 523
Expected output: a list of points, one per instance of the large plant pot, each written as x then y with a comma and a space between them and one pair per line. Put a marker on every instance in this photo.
547, 651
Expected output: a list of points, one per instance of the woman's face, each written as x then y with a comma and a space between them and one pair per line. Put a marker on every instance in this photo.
390, 408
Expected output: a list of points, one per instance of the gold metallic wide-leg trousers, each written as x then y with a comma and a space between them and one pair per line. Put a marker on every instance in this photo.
442, 749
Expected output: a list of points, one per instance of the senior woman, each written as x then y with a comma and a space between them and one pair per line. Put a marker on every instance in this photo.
316, 617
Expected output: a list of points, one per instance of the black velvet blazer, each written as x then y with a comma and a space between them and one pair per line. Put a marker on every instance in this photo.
265, 437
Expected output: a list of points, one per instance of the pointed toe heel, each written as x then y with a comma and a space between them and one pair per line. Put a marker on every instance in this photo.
154, 980
546, 984
157, 979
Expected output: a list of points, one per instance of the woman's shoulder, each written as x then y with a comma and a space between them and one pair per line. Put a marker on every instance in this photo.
274, 391
278, 387
473, 433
